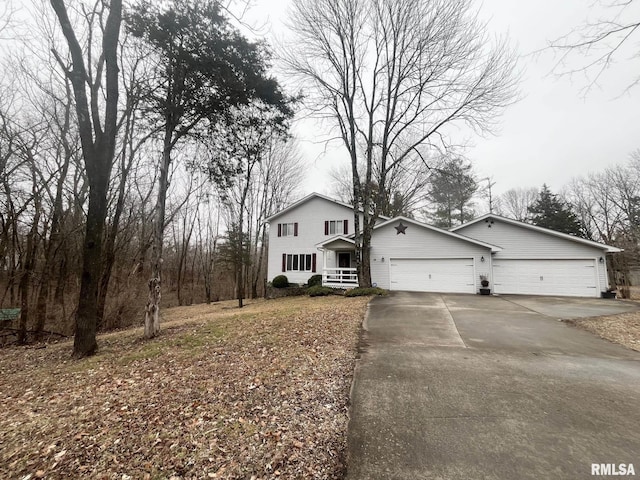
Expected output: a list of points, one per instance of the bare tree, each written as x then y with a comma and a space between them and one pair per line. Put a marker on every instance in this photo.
392, 76
608, 203
597, 44
243, 142
514, 203
407, 186
98, 132
6, 16
593, 199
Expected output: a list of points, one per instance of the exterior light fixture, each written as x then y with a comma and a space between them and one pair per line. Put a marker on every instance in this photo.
601, 260
382, 259
482, 258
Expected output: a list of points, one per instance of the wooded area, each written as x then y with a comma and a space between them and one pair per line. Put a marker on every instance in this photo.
143, 146
123, 160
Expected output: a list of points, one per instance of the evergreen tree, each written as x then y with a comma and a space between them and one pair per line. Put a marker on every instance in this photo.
203, 68
452, 188
549, 211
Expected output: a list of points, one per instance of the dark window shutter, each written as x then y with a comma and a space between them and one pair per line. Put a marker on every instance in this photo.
279, 229
326, 227
295, 229
284, 262
313, 263
345, 228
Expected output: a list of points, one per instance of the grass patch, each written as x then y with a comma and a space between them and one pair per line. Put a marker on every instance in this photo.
205, 335
148, 349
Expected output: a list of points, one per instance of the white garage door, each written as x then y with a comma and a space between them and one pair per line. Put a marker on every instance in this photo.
433, 275
546, 277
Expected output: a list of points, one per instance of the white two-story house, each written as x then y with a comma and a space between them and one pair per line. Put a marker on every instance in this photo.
315, 236
296, 235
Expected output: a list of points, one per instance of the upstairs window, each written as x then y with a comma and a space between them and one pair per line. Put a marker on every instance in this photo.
336, 227
288, 229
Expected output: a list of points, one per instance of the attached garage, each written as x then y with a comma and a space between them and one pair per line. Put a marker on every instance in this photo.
454, 275
564, 277
538, 261
407, 255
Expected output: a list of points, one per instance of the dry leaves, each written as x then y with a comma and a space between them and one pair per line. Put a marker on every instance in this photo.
223, 393
623, 328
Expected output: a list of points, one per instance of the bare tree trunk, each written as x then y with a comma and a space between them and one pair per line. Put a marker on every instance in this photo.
28, 265
186, 232
152, 310
112, 232
240, 264
98, 147
87, 315
54, 236
25, 277
12, 222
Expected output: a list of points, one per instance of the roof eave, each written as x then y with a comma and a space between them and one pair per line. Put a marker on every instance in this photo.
493, 248
335, 239
547, 231
307, 198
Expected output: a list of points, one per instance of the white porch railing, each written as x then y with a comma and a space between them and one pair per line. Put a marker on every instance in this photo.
340, 277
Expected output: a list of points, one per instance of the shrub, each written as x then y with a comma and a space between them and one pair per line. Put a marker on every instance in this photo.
319, 291
314, 280
281, 281
363, 292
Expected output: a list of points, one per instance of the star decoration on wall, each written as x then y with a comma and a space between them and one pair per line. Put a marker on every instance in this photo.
400, 229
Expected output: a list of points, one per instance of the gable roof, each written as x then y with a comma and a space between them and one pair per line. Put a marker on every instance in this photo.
347, 239
305, 200
494, 248
535, 228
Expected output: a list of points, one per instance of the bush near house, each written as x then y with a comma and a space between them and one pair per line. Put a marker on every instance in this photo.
314, 280
363, 292
281, 281
320, 291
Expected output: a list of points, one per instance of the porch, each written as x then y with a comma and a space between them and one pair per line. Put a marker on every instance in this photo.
339, 265
339, 277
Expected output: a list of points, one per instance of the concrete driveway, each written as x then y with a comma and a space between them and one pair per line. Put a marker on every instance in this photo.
471, 387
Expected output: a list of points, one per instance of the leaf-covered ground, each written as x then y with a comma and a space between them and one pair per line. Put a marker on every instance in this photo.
255, 393
623, 328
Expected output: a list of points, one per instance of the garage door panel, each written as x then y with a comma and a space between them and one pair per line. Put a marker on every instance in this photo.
546, 277
433, 275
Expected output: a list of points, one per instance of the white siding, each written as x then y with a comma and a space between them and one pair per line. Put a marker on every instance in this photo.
523, 243
420, 242
310, 217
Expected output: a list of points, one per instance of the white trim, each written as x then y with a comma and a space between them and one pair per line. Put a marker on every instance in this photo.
595, 261
591, 243
334, 239
309, 197
493, 248
549, 258
474, 283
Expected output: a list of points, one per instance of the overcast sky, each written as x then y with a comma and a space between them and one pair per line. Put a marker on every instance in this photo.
554, 133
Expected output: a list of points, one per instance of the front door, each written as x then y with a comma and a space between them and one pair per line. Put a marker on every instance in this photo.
344, 259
